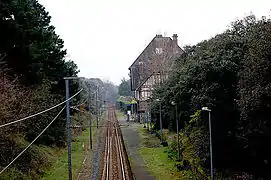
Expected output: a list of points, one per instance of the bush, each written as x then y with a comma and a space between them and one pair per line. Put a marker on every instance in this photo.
173, 150
231, 74
14, 138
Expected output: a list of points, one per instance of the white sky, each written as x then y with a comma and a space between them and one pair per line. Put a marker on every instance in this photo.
104, 37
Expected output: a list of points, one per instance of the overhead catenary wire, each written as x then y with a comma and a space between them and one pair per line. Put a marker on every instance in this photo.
94, 92
80, 110
84, 100
33, 140
41, 112
81, 103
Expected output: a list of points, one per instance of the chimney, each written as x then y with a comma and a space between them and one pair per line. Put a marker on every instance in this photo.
175, 39
159, 35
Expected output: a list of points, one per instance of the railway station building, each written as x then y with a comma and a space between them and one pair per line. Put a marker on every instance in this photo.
151, 68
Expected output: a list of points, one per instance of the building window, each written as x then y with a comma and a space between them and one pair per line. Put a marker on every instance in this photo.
158, 50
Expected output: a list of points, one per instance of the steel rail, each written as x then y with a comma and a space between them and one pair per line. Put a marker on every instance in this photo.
108, 149
112, 125
119, 150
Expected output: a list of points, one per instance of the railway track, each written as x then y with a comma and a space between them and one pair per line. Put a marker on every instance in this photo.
116, 165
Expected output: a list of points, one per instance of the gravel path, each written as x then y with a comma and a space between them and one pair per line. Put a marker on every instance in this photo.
132, 143
98, 155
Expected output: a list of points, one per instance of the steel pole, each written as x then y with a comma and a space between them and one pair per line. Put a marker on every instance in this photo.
161, 131
211, 148
90, 121
150, 121
144, 120
132, 109
68, 128
97, 111
177, 127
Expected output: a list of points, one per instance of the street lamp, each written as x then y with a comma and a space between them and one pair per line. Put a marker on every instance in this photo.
161, 131
210, 132
177, 129
149, 120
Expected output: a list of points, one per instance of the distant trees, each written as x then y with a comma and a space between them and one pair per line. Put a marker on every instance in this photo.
230, 73
107, 91
110, 92
124, 88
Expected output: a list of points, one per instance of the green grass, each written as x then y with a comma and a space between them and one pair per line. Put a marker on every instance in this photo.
159, 164
59, 170
119, 114
156, 159
50, 162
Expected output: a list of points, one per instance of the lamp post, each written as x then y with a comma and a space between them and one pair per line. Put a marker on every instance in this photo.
150, 120
177, 129
144, 120
210, 135
161, 131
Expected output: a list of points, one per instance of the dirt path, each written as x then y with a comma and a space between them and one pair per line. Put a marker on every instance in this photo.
132, 143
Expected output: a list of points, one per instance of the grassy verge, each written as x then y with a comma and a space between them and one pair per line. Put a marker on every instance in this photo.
156, 159
119, 114
59, 170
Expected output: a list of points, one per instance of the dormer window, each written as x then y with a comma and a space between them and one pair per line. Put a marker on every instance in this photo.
158, 50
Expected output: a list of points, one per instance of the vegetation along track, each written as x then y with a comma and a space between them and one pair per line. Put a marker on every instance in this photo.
115, 162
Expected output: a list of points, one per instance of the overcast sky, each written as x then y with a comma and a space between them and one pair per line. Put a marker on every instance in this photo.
104, 37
